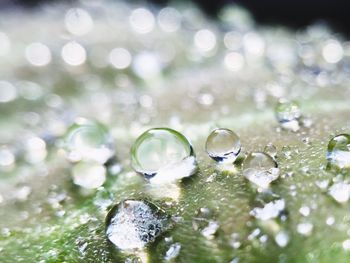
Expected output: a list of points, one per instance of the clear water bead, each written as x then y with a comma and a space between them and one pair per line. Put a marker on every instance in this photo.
223, 145
338, 152
288, 114
163, 155
133, 224
260, 169
89, 140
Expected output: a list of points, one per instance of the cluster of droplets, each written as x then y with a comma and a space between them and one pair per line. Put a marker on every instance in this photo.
163, 155
224, 146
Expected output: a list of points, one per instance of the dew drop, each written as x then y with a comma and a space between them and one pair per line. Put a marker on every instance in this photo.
340, 192
288, 114
163, 155
88, 140
260, 169
338, 151
282, 238
172, 252
271, 150
133, 224
270, 210
223, 145
305, 229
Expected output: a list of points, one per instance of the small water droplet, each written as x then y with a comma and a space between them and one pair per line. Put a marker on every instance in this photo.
271, 150
260, 169
270, 210
304, 210
210, 230
282, 238
330, 220
163, 155
305, 229
223, 145
287, 151
133, 224
338, 151
288, 114
172, 252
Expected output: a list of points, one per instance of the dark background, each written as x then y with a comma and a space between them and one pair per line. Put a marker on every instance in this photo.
292, 13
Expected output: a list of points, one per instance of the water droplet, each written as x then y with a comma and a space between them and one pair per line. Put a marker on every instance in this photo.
282, 238
340, 192
338, 152
288, 114
89, 140
304, 210
330, 220
260, 169
133, 224
346, 244
210, 230
271, 150
270, 210
163, 155
223, 145
305, 229
172, 252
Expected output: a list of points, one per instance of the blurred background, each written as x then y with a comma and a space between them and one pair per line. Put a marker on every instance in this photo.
292, 13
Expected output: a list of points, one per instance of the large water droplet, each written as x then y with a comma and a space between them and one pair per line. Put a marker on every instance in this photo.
163, 155
260, 169
288, 114
89, 140
223, 145
338, 152
133, 224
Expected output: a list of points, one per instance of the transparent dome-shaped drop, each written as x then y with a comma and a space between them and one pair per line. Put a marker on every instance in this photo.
223, 145
288, 114
89, 140
338, 151
260, 169
163, 155
133, 224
